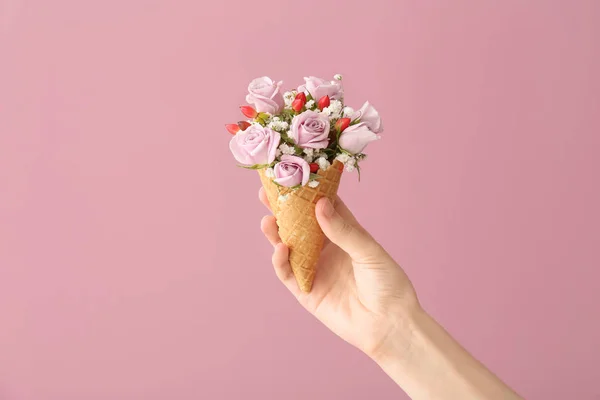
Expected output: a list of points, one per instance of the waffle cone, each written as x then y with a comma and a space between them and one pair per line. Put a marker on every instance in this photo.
298, 227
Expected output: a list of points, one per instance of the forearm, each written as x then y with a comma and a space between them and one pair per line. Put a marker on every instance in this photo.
433, 366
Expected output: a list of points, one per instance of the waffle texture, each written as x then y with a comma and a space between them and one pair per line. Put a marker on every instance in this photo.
298, 226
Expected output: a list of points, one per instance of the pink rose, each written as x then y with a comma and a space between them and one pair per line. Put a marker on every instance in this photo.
256, 145
310, 129
370, 117
355, 138
291, 171
318, 88
265, 95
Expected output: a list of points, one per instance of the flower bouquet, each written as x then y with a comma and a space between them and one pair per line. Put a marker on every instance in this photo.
300, 142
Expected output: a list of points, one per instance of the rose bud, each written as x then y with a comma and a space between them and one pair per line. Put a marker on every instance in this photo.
314, 167
232, 128
297, 105
323, 102
249, 111
244, 125
301, 96
342, 124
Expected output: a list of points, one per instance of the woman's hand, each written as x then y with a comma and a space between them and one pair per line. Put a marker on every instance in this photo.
359, 292
362, 295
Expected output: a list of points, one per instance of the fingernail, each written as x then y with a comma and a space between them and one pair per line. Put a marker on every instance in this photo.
327, 208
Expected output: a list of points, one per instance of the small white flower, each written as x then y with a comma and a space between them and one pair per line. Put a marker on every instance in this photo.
350, 168
282, 198
278, 125
313, 184
310, 104
270, 173
335, 109
285, 149
335, 104
308, 159
337, 77
323, 163
278, 153
342, 157
288, 97
275, 119
309, 152
348, 111
351, 161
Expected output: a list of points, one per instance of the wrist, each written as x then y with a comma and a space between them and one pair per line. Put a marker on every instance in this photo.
403, 355
397, 345
426, 362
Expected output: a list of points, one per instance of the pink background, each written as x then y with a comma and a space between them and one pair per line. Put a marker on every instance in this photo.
131, 261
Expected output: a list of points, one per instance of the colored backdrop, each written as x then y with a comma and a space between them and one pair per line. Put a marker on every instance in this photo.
131, 261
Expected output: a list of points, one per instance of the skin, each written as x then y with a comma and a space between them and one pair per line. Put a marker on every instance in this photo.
362, 295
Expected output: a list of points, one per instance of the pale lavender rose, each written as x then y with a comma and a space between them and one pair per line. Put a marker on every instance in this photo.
256, 145
310, 130
355, 138
265, 95
291, 171
370, 117
318, 88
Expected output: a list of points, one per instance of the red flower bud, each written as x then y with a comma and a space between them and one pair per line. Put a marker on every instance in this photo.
232, 128
298, 104
244, 125
301, 96
342, 124
323, 102
314, 167
249, 111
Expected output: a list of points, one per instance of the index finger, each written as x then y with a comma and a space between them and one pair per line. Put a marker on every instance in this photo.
262, 195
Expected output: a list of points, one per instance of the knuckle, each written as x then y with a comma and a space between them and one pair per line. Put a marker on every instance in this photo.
283, 274
372, 252
275, 261
345, 229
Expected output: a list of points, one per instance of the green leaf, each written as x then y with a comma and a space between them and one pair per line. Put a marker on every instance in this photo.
286, 187
356, 121
287, 139
344, 151
315, 176
309, 98
263, 116
255, 166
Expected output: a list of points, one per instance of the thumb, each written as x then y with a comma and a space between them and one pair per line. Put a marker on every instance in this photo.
347, 233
